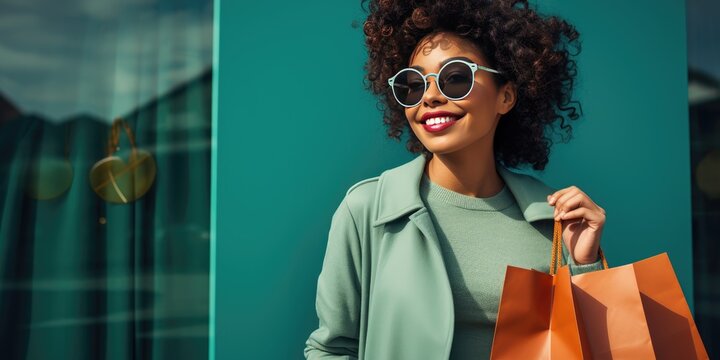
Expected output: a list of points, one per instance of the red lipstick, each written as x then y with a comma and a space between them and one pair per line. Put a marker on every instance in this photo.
440, 120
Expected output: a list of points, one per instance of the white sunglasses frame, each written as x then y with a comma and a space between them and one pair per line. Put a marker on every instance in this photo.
473, 67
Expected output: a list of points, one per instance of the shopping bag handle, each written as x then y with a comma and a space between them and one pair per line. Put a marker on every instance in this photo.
556, 256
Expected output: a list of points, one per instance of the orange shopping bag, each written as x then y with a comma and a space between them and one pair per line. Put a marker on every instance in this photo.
635, 311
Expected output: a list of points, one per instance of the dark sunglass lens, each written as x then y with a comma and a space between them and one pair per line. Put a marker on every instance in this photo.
456, 80
409, 87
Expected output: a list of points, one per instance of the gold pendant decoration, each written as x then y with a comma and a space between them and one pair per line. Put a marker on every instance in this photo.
49, 176
117, 181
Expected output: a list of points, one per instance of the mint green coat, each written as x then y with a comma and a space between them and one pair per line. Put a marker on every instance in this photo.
383, 292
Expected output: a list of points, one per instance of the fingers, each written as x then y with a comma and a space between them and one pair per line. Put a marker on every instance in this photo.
583, 213
567, 203
564, 194
556, 195
569, 199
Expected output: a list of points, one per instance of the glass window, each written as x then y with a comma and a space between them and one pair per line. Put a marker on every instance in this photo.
105, 137
704, 99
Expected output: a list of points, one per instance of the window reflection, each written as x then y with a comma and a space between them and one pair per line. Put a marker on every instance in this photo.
83, 276
704, 99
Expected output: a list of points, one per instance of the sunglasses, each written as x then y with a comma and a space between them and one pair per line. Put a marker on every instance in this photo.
455, 80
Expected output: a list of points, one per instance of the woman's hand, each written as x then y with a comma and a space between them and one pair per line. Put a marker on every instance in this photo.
582, 222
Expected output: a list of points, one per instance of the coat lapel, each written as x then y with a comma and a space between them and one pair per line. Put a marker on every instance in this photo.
530, 194
398, 191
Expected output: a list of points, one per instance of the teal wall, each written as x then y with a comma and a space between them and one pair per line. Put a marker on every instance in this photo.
285, 158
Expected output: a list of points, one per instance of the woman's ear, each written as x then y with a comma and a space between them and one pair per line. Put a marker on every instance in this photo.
507, 96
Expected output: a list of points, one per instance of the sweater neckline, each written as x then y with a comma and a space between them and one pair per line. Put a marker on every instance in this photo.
434, 192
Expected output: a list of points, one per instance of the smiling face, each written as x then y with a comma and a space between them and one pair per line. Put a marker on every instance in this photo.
474, 118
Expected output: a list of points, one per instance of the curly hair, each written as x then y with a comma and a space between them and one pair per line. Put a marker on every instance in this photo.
527, 48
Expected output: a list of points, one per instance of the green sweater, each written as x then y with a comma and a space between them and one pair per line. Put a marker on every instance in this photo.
479, 237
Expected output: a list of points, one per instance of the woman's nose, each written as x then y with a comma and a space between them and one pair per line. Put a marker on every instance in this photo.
432, 95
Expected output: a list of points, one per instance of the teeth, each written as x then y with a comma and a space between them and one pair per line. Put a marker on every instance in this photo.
439, 120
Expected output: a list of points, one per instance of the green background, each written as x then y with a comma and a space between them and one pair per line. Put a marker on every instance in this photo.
295, 128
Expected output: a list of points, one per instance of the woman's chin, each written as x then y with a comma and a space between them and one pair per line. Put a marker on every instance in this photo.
442, 149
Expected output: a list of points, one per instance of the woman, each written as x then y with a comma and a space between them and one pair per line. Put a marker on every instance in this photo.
416, 256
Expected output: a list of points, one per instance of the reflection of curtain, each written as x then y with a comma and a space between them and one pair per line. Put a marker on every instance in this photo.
87, 279
81, 278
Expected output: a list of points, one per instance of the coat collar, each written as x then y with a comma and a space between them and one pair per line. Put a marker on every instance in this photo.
398, 192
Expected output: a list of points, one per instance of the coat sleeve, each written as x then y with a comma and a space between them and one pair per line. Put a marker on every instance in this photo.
338, 292
576, 269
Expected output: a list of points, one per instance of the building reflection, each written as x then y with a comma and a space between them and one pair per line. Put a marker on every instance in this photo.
704, 100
